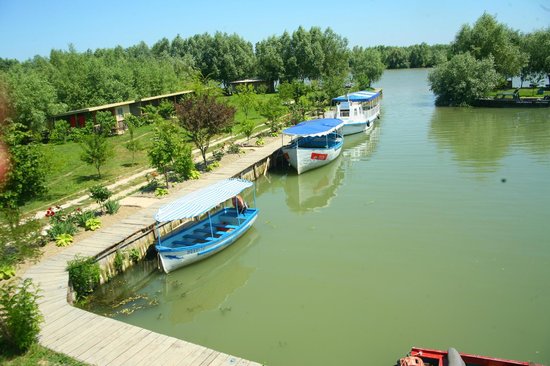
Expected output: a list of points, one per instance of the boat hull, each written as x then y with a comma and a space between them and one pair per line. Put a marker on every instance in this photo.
351, 127
184, 247
308, 158
440, 358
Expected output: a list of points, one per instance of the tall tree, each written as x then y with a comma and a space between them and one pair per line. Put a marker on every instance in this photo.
270, 60
463, 79
203, 117
26, 175
96, 150
167, 144
487, 38
366, 66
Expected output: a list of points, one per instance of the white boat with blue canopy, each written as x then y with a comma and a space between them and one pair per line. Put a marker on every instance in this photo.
315, 143
358, 110
211, 232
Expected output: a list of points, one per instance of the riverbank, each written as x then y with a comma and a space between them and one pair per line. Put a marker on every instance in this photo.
97, 340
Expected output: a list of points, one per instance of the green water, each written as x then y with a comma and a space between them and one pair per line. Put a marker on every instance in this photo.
434, 231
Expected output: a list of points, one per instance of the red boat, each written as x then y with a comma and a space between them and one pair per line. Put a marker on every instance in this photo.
433, 357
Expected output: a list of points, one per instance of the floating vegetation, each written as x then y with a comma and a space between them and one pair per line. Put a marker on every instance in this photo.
130, 304
225, 309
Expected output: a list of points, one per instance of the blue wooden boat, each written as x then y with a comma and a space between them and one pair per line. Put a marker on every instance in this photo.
211, 232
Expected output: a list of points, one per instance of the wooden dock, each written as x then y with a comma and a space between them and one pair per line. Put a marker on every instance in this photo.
99, 340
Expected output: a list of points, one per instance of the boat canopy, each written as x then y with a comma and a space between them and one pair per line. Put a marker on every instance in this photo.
360, 96
315, 127
201, 201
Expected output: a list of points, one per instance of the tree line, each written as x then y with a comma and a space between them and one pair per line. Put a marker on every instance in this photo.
67, 80
484, 56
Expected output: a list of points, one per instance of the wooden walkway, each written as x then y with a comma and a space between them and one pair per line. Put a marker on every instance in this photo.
103, 341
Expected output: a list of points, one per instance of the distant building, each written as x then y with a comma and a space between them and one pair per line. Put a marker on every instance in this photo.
256, 83
78, 118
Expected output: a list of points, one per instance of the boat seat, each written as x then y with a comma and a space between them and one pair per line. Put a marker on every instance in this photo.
182, 243
206, 231
194, 236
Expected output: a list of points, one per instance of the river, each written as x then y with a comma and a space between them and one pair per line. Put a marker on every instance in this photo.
434, 232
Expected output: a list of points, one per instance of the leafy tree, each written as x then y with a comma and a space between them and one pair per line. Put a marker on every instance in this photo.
537, 46
34, 98
202, 118
106, 122
96, 150
132, 145
272, 109
26, 178
419, 55
165, 109
167, 144
270, 60
246, 99
463, 79
489, 38
246, 127
397, 58
60, 132
366, 66
100, 194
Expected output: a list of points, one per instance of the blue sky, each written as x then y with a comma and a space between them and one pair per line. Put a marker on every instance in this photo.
34, 27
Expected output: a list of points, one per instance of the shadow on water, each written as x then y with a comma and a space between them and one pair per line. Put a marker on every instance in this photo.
480, 138
179, 296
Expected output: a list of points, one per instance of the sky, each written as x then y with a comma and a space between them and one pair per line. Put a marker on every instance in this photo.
34, 27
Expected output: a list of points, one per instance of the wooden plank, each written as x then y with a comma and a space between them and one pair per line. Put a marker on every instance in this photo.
176, 352
153, 351
195, 359
131, 351
123, 343
104, 352
106, 336
71, 340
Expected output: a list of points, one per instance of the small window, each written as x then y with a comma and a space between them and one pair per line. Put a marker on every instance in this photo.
119, 112
344, 113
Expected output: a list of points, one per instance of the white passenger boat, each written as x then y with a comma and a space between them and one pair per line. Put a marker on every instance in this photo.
212, 232
316, 143
358, 110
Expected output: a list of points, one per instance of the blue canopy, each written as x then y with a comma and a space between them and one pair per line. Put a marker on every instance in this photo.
201, 201
360, 96
315, 127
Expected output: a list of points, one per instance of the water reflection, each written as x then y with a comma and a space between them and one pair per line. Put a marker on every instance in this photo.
205, 287
480, 138
179, 296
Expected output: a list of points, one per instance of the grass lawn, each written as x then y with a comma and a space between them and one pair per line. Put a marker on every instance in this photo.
69, 177
523, 92
38, 355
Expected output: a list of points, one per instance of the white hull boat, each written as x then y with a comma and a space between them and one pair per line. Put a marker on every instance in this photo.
358, 110
316, 143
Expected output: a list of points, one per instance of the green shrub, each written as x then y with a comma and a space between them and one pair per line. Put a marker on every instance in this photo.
134, 255
20, 316
234, 148
195, 174
119, 261
218, 154
100, 194
61, 227
60, 132
63, 240
111, 207
260, 141
161, 191
83, 275
212, 166
82, 216
6, 272
93, 224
